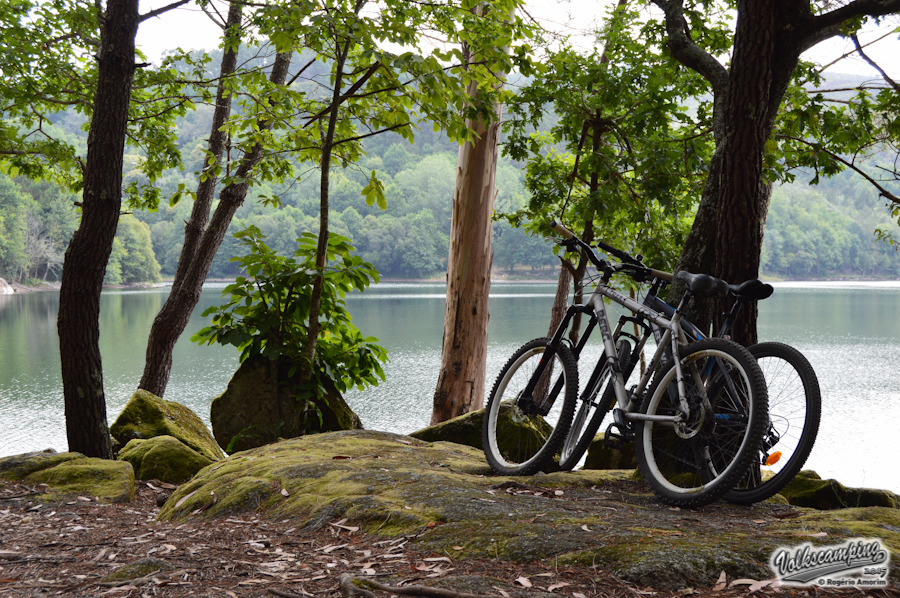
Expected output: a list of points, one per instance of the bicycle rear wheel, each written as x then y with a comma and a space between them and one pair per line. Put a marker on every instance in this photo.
795, 407
524, 428
698, 460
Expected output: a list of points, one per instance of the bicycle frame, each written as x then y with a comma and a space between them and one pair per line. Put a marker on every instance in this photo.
673, 336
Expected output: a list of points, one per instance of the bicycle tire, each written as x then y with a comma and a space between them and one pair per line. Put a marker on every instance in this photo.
795, 408
696, 462
532, 446
590, 414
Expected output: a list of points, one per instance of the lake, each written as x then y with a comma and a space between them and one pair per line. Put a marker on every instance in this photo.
849, 331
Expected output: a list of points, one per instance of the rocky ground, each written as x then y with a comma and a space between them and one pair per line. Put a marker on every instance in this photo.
85, 548
375, 514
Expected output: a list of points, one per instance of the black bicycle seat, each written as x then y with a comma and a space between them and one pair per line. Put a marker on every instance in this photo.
703, 284
752, 290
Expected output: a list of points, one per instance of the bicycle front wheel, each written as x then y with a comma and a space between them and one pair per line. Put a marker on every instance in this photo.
795, 407
530, 409
699, 459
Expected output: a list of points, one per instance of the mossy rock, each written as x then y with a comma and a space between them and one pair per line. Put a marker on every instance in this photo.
146, 415
467, 430
17, 467
602, 456
163, 458
108, 481
266, 401
443, 493
807, 489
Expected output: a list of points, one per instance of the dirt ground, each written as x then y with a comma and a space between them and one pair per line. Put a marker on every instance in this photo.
69, 550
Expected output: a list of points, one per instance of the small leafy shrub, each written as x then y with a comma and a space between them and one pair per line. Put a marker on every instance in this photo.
267, 313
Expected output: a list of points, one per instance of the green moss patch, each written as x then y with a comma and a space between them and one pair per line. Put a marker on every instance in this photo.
108, 481
17, 467
807, 489
163, 458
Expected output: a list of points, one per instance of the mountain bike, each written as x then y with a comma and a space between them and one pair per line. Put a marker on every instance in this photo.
793, 393
698, 412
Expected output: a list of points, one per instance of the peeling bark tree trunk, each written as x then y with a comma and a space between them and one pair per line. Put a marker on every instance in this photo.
78, 322
460, 386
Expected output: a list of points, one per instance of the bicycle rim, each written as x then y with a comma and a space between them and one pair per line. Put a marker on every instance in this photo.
698, 461
794, 413
517, 439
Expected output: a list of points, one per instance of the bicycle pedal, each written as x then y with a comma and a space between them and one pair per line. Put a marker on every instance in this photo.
617, 437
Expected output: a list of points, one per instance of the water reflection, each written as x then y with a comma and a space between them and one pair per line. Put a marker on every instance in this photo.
851, 334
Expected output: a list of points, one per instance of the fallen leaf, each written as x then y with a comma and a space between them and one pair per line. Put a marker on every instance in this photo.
284, 492
558, 492
742, 582
557, 586
183, 498
585, 528
759, 585
722, 583
524, 582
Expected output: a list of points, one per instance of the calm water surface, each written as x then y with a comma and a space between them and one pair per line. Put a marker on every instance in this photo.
850, 332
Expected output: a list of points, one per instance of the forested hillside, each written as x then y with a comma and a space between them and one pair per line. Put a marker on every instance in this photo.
821, 231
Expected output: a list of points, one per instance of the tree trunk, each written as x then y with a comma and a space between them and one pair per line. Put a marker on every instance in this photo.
202, 240
78, 323
315, 300
460, 386
726, 237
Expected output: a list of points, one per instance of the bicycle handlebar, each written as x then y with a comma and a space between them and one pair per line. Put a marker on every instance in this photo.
624, 257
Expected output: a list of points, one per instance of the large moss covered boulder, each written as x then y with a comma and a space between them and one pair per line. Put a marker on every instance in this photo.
163, 458
467, 429
266, 401
807, 489
17, 467
146, 415
71, 474
440, 497
603, 456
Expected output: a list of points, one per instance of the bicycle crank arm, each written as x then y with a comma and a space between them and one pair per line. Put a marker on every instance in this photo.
673, 419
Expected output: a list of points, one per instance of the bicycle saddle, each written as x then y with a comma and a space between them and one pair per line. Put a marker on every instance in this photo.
751, 290
703, 284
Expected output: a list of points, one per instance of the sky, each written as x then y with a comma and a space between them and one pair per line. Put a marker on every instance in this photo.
190, 28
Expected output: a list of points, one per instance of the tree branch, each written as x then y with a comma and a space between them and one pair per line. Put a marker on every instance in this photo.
865, 57
687, 52
161, 10
882, 191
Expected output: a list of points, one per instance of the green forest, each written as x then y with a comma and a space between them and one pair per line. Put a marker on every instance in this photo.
821, 231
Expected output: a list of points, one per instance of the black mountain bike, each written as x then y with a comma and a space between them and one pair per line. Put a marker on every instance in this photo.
794, 407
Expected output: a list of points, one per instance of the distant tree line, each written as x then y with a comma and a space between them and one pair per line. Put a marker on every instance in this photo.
812, 231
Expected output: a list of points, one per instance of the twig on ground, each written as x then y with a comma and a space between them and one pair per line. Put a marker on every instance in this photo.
349, 588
